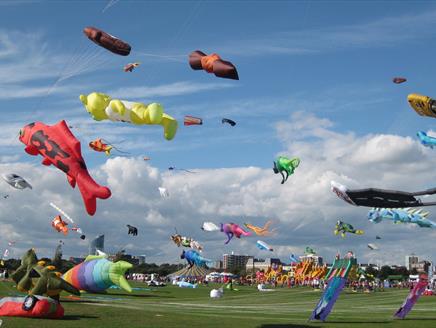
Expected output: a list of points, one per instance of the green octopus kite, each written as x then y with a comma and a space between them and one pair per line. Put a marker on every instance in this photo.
284, 164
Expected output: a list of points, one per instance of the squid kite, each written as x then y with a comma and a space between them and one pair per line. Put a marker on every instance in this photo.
213, 63
102, 107
342, 227
284, 164
60, 148
259, 230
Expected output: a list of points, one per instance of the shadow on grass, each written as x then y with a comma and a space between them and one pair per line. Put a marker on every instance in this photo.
136, 295
78, 317
360, 321
274, 325
416, 319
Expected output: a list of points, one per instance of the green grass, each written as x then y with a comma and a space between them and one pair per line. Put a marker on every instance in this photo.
178, 307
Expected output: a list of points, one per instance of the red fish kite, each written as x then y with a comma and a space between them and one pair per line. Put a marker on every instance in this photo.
59, 147
107, 41
213, 64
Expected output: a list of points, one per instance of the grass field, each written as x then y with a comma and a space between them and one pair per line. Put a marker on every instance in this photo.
178, 307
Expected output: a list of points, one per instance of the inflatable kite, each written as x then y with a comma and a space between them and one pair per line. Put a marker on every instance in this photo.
100, 146
309, 251
63, 223
35, 278
132, 230
423, 105
107, 41
232, 229
284, 164
259, 230
213, 64
31, 307
194, 258
60, 225
381, 198
264, 246
102, 107
228, 121
186, 242
372, 247
413, 297
164, 192
342, 227
399, 80
216, 293
293, 259
58, 146
210, 226
191, 120
401, 215
184, 284
130, 66
16, 181
426, 140
97, 273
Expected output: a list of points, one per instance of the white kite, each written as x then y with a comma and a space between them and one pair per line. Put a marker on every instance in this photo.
16, 181
163, 192
210, 226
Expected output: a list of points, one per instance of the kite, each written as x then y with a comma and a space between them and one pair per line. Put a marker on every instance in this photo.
413, 297
194, 258
97, 273
372, 247
284, 164
343, 228
293, 259
11, 243
377, 237
16, 181
103, 107
145, 158
399, 80
59, 225
130, 66
184, 284
6, 253
6, 196
401, 215
31, 307
191, 120
213, 63
74, 228
259, 230
210, 226
163, 192
423, 105
107, 41
309, 251
229, 121
186, 242
100, 146
264, 246
426, 140
132, 230
58, 146
381, 198
173, 168
232, 229
216, 293
34, 278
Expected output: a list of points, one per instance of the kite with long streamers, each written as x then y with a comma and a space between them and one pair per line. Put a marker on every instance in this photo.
401, 215
173, 168
107, 41
213, 63
372, 197
413, 297
261, 231
59, 147
100, 145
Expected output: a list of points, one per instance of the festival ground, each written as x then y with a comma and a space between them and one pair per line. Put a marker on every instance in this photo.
178, 307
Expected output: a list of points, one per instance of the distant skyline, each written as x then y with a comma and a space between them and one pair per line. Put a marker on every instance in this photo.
315, 83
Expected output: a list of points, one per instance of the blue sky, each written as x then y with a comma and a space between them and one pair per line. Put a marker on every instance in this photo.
312, 74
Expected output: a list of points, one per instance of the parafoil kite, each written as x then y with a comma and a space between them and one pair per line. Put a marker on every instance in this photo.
97, 273
191, 120
130, 66
399, 80
213, 63
107, 41
194, 258
343, 227
401, 215
210, 226
103, 107
264, 246
164, 192
16, 181
31, 307
284, 164
232, 229
426, 140
132, 230
58, 146
228, 121
259, 230
372, 197
423, 105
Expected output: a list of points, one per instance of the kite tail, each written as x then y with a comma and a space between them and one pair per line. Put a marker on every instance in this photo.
90, 191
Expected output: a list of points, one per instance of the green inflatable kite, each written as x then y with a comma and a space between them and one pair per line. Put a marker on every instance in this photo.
286, 165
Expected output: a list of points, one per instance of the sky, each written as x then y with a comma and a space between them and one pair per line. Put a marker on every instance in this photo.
315, 83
